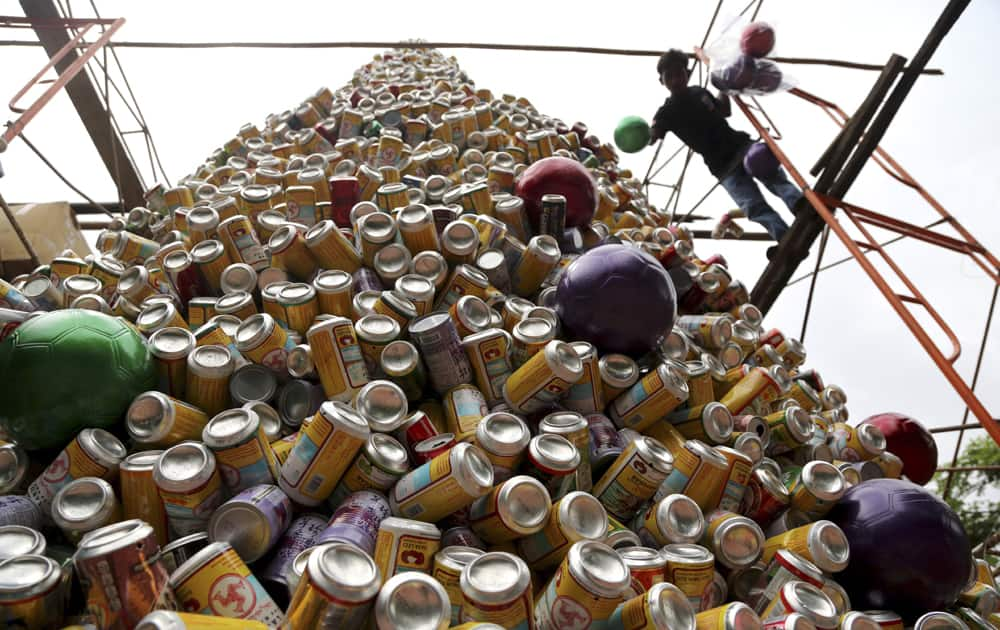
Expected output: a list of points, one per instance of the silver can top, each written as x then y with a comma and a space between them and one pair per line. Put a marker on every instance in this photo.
83, 505
253, 331
502, 433
737, 542
857, 620
110, 538
344, 571
333, 281
387, 453
392, 261
655, 454
687, 553
640, 557
377, 328
415, 287
598, 568
296, 293
102, 446
377, 227
18, 540
26, 574
215, 362
399, 358
184, 467
824, 480
154, 316
251, 383
412, 600
150, 417
618, 370
524, 504
583, 516
431, 265
939, 620
562, 422
739, 616
495, 578
243, 525
708, 455
670, 608
871, 438
143, 461
171, 343
534, 330
383, 404
238, 277
300, 361
808, 600
460, 237
680, 519
554, 452
230, 427
829, 547
473, 312
750, 445
269, 418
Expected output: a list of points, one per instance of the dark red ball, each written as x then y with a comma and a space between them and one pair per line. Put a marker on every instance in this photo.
911, 442
559, 176
757, 39
909, 551
618, 298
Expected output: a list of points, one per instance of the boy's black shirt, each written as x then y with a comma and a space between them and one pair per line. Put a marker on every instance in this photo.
694, 117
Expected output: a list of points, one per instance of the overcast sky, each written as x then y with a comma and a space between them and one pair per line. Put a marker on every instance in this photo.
945, 134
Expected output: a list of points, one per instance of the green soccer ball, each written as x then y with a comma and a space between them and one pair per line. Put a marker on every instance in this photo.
69, 370
632, 134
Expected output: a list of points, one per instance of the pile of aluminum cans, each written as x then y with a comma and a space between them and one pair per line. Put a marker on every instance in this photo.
354, 329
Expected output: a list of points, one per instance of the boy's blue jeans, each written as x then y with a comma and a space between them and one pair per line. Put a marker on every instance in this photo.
743, 189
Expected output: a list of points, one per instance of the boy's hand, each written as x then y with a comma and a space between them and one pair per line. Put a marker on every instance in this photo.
699, 53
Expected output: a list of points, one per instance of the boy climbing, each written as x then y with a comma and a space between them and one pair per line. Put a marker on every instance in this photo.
697, 117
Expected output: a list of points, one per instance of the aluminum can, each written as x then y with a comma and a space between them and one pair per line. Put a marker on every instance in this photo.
207, 380
803, 598
814, 488
765, 497
356, 520
663, 607
496, 588
412, 599
634, 477
416, 226
378, 466
32, 592
300, 306
252, 383
375, 332
240, 240
241, 449
333, 292
322, 452
170, 348
261, 340
503, 437
383, 404
92, 453
645, 566
735, 540
711, 423
300, 535
553, 460
338, 358
216, 581
544, 378
823, 543
700, 472
289, 251
170, 620
732, 616
13, 468
576, 429
464, 280
887, 619
400, 362
675, 518
459, 242
784, 567
215, 333
691, 568
855, 444
406, 545
464, 408
444, 485
587, 395
605, 443
83, 505
430, 448
740, 466
418, 290
139, 495
449, 563
530, 336
121, 573
200, 310
18, 540
325, 598
441, 349
577, 516
620, 537
414, 429
788, 429
539, 258
585, 590
758, 385
654, 396
190, 486
488, 352
252, 521
514, 508
239, 304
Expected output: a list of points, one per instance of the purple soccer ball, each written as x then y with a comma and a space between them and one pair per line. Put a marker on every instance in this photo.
909, 551
766, 77
618, 298
735, 76
760, 162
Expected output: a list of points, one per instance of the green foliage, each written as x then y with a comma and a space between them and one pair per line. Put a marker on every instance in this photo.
975, 495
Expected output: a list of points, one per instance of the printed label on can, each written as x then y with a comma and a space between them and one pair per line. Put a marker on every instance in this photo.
736, 486
362, 475
493, 366
72, 463
566, 604
299, 536
397, 553
515, 614
632, 615
225, 587
428, 488
628, 402
20, 510
533, 386
466, 407
318, 459
272, 503
249, 464
188, 512
341, 367
693, 580
586, 396
542, 547
449, 579
635, 482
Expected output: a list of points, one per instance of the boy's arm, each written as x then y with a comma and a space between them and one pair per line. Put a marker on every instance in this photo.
658, 130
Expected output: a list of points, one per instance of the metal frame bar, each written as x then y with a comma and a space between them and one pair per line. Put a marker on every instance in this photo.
820, 204
89, 50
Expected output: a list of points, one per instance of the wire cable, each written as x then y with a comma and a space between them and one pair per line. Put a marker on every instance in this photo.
59, 174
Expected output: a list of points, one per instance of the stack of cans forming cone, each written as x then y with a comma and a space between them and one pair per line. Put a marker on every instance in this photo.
369, 412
